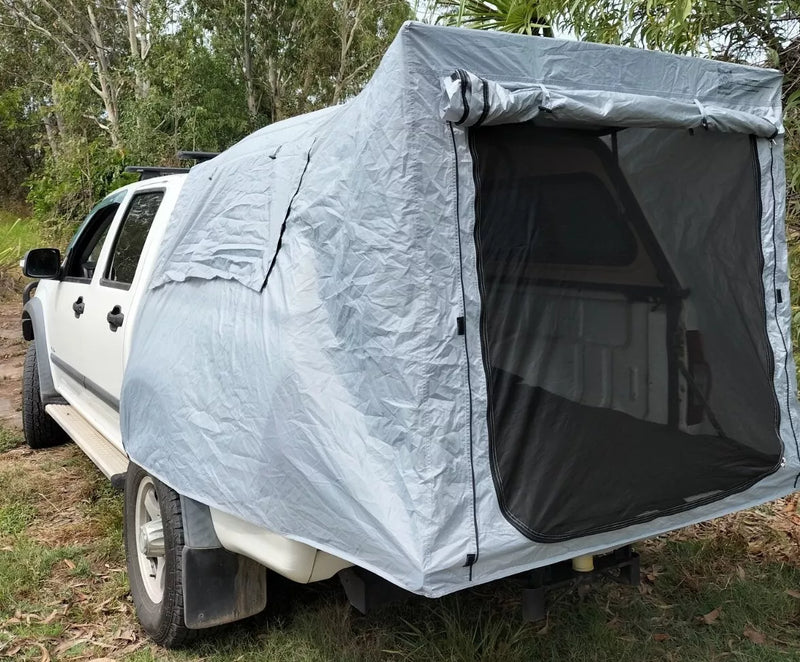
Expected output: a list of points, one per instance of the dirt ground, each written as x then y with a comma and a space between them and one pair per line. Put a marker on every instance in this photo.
12, 356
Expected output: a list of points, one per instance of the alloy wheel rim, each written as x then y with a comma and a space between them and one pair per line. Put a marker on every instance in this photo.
148, 526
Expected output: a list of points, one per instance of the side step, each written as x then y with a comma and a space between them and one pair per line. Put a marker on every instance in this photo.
99, 449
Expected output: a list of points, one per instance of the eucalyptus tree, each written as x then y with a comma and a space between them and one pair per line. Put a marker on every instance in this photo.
297, 55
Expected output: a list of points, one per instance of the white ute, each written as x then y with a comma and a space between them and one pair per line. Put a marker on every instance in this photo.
190, 566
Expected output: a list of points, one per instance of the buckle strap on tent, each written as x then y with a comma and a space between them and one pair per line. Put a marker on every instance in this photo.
703, 116
471, 559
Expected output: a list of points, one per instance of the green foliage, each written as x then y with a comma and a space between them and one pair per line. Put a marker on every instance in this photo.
18, 234
68, 186
520, 16
745, 30
18, 129
87, 90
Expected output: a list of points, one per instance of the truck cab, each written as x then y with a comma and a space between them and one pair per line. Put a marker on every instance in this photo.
89, 310
190, 566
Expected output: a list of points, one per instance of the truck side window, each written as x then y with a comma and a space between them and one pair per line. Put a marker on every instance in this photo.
83, 253
131, 237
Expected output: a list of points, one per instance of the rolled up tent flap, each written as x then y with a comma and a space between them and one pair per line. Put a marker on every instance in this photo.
470, 100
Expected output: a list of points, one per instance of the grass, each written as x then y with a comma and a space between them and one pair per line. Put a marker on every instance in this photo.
60, 555
603, 621
18, 234
10, 438
725, 590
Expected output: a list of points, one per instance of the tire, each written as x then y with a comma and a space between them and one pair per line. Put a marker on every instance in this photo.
156, 581
39, 429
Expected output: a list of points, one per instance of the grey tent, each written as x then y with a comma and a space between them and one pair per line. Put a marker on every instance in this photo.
519, 300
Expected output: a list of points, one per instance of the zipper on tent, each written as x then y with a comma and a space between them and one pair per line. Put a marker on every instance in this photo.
498, 485
771, 354
472, 558
286, 218
485, 110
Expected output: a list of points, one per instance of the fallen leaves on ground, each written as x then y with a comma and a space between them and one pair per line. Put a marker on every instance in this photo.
754, 635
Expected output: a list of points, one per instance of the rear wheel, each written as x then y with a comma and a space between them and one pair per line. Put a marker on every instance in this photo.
154, 549
40, 430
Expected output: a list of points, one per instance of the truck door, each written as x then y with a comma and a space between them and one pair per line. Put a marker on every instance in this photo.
109, 306
69, 331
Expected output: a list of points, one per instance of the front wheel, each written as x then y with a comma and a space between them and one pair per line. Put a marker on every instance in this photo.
154, 549
40, 430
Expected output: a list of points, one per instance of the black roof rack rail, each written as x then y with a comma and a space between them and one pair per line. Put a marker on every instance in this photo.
200, 157
149, 172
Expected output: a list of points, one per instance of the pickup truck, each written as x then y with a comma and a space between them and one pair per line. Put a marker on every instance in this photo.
192, 566
187, 570
505, 329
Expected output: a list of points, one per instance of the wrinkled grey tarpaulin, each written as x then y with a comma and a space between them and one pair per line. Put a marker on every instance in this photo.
338, 405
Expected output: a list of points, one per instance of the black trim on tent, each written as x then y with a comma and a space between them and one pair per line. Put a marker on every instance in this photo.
485, 110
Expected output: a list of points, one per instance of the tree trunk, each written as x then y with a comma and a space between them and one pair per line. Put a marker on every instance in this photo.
274, 90
139, 44
51, 133
247, 65
109, 90
346, 33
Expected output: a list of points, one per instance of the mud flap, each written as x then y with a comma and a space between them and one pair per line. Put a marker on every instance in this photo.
219, 586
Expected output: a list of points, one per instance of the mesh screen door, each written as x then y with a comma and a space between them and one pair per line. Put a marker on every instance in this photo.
623, 323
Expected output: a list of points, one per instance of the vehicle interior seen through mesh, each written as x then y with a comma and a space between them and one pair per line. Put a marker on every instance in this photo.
623, 324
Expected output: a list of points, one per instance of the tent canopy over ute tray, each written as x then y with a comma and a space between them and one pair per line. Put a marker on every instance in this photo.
521, 299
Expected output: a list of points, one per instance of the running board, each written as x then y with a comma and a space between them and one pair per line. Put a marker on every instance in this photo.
100, 450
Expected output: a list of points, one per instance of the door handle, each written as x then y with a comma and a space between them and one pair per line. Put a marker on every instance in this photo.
78, 307
115, 318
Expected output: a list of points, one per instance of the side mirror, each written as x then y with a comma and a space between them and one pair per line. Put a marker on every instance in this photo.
42, 263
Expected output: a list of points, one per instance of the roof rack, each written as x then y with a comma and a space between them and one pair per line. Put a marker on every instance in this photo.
149, 172
200, 157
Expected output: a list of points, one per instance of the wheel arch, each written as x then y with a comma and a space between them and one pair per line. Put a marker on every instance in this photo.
33, 325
